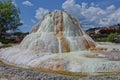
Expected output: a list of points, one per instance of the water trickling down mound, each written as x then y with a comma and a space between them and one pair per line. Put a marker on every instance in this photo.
49, 41
58, 32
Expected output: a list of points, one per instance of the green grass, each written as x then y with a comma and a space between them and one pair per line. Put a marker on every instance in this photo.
101, 39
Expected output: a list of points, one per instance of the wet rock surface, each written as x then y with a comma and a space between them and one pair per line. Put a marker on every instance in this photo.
15, 73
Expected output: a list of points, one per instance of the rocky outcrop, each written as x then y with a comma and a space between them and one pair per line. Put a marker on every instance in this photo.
14, 73
103, 30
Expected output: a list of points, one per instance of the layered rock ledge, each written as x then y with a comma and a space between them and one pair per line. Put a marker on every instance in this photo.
16, 73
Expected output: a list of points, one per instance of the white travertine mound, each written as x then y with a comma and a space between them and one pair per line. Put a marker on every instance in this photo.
58, 43
57, 32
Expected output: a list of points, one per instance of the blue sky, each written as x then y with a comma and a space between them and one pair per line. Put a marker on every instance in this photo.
91, 13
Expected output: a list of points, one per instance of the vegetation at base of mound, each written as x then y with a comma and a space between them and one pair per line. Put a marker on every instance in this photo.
5, 46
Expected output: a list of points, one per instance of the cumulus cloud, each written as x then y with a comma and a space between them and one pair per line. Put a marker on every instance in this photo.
33, 21
27, 3
21, 21
40, 12
93, 15
14, 3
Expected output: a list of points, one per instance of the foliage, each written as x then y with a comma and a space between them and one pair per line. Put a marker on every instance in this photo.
15, 37
111, 37
9, 17
100, 39
5, 46
106, 37
6, 41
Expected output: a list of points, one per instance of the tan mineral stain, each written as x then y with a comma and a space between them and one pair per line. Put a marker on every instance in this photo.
59, 29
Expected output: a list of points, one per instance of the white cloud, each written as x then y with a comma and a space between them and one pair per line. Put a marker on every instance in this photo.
21, 21
27, 3
40, 12
111, 7
14, 3
70, 6
92, 4
33, 21
93, 15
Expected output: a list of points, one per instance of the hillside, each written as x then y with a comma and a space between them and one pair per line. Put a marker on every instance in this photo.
102, 33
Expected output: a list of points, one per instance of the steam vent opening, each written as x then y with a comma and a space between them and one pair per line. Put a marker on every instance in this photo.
57, 32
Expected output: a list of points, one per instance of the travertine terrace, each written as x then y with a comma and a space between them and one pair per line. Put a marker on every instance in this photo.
58, 43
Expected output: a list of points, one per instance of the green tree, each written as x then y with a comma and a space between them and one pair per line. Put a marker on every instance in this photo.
9, 17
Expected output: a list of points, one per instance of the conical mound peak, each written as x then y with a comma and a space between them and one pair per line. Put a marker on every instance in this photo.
59, 21
57, 32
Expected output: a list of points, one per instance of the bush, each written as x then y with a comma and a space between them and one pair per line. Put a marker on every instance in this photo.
6, 41
111, 37
100, 39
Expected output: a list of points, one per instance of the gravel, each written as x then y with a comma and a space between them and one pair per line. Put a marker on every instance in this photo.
15, 73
